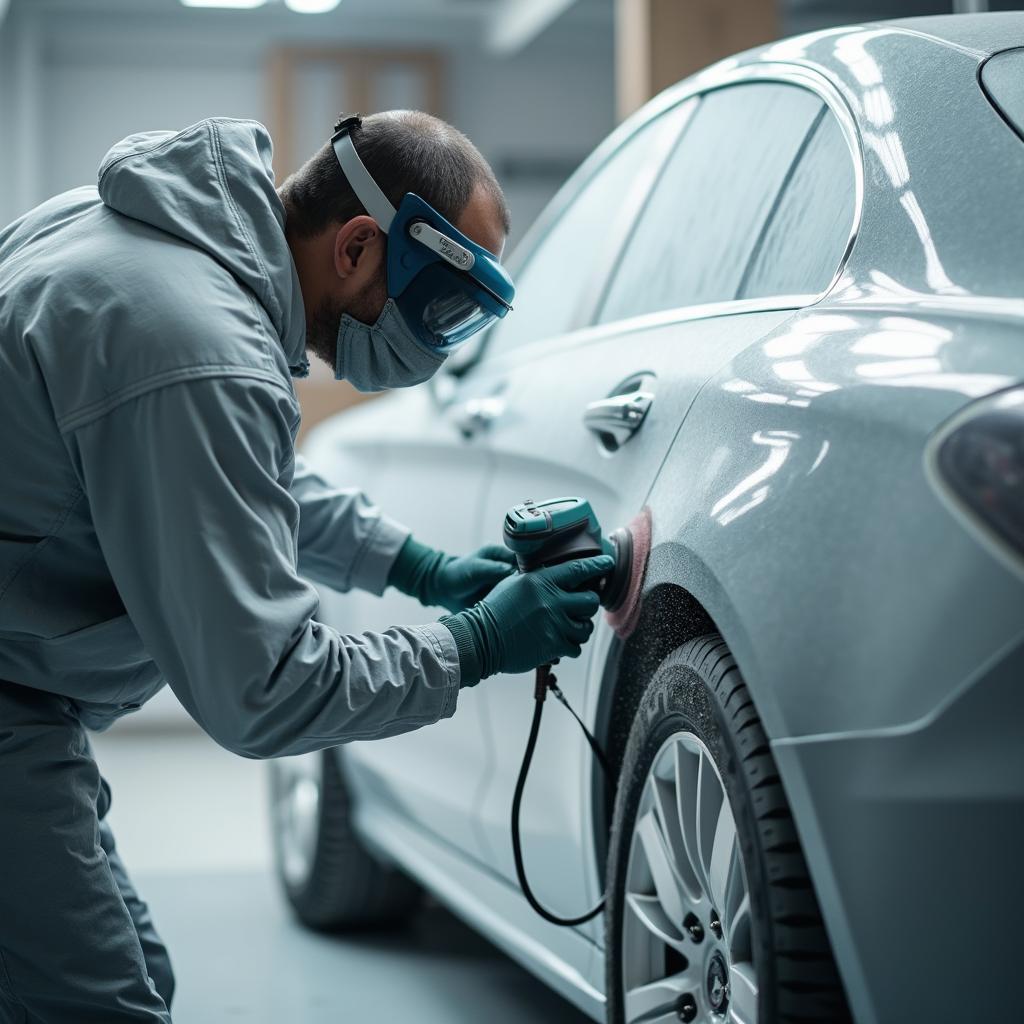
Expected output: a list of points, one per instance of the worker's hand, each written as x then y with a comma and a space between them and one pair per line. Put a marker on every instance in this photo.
462, 581
529, 619
448, 580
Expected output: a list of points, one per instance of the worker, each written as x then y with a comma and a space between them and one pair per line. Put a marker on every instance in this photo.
156, 524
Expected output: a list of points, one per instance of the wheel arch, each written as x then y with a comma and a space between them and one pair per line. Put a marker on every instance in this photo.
671, 613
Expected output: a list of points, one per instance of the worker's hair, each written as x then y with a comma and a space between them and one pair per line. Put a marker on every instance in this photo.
405, 151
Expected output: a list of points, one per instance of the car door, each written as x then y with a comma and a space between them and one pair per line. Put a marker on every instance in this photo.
423, 471
665, 317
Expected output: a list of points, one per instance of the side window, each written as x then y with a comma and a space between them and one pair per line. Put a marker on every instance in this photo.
551, 284
804, 242
696, 235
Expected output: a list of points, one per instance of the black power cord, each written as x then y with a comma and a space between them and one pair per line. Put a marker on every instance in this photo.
545, 681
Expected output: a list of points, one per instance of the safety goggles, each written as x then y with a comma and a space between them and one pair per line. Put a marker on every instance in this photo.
445, 285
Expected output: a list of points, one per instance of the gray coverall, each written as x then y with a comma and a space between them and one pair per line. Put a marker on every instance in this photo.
156, 526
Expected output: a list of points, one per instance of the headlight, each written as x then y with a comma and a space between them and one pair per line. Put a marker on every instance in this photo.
980, 458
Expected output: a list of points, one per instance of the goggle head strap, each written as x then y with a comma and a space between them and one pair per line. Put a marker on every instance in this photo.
379, 207
367, 191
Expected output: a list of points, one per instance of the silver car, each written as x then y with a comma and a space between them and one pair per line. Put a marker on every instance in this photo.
805, 268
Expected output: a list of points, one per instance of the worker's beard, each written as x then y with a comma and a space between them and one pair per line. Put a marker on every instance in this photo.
322, 328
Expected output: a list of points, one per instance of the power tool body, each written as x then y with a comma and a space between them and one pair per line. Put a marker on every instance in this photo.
542, 534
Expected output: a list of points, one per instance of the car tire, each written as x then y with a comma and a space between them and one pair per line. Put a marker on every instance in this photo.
329, 877
701, 818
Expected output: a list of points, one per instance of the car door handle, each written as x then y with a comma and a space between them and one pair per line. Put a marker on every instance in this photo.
618, 417
478, 414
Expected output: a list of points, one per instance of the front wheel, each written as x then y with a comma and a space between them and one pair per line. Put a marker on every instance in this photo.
711, 912
329, 877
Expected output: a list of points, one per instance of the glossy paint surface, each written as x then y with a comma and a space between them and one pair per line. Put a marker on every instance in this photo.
785, 462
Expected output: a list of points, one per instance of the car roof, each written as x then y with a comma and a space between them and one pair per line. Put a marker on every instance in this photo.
985, 33
977, 35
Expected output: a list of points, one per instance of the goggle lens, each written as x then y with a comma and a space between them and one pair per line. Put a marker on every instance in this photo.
452, 318
444, 307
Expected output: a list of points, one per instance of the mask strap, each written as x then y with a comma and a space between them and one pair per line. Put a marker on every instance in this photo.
367, 191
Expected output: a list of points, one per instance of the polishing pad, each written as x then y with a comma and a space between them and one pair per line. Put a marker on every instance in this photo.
627, 611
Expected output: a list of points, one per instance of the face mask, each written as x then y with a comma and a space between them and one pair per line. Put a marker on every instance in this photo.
383, 356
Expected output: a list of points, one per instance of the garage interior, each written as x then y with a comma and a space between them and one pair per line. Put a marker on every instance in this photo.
536, 84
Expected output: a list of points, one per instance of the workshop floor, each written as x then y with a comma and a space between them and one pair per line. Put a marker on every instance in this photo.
189, 821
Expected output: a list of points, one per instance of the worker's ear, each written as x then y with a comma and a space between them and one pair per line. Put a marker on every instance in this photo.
358, 248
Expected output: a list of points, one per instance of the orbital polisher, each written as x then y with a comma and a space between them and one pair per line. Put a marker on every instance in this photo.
545, 533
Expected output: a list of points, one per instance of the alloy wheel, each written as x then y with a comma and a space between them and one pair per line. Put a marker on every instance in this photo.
687, 950
296, 793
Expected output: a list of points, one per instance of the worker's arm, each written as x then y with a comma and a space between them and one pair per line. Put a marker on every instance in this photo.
189, 491
344, 540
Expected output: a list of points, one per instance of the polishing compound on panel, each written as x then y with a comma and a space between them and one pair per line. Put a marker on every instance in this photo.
624, 615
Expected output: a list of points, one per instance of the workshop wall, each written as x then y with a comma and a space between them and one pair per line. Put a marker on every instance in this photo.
74, 79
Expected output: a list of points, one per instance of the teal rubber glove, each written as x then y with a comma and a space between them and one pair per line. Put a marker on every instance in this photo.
450, 581
529, 619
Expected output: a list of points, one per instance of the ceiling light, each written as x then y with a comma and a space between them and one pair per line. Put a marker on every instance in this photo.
311, 6
237, 4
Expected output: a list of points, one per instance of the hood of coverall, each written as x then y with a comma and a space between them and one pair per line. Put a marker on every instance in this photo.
212, 185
